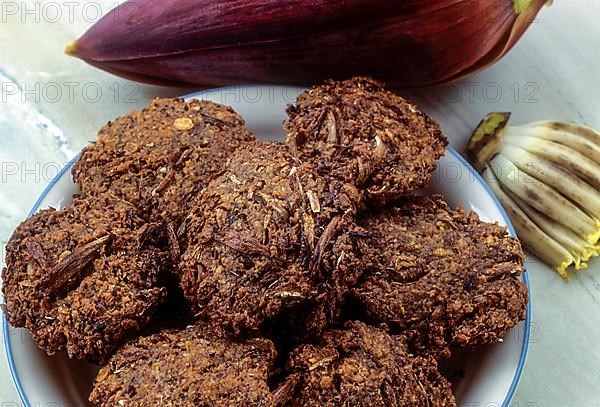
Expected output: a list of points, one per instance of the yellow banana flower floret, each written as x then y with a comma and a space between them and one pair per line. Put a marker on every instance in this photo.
547, 176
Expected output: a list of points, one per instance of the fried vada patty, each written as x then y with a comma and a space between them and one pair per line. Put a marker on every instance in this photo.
159, 158
269, 239
198, 366
363, 366
85, 278
357, 132
440, 276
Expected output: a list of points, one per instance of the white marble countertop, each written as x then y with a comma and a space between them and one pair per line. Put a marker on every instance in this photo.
51, 105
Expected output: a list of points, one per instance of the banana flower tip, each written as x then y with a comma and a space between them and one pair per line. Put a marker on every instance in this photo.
70, 49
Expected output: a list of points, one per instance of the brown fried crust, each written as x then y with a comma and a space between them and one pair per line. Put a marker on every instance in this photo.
440, 276
268, 237
86, 278
161, 157
195, 367
358, 132
268, 244
363, 366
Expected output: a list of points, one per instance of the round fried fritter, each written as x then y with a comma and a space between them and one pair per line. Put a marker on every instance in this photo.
362, 366
86, 278
161, 157
357, 132
440, 276
269, 238
198, 366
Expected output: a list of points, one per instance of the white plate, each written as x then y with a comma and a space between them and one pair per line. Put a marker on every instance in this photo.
488, 376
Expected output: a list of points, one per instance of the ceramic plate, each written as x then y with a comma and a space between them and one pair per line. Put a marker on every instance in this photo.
488, 376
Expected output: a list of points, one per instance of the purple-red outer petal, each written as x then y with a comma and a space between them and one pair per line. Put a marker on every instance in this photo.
207, 42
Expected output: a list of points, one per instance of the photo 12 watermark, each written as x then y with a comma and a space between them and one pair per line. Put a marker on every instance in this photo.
69, 92
64, 11
493, 92
15, 172
253, 94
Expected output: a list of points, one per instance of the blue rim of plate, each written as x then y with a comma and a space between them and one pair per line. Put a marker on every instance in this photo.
524, 347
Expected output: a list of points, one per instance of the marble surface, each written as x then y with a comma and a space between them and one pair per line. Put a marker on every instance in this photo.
51, 105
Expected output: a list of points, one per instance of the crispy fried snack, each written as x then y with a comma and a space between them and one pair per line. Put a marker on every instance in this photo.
194, 367
363, 367
86, 278
269, 238
440, 276
161, 157
357, 132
